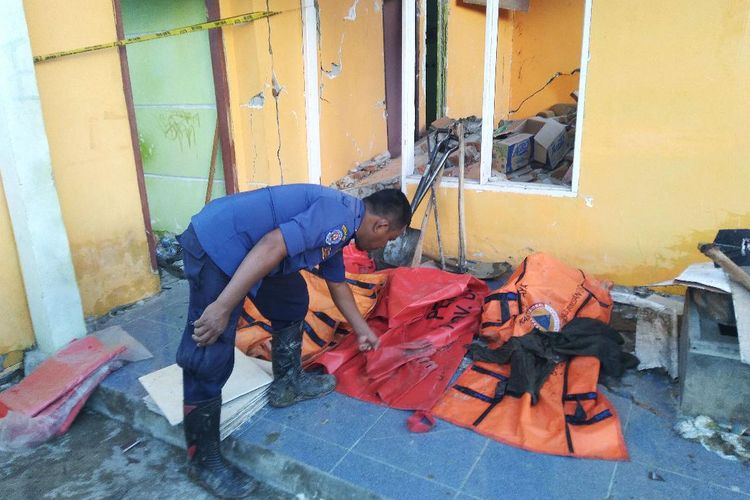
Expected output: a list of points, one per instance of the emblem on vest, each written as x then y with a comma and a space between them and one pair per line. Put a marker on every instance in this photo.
335, 236
544, 317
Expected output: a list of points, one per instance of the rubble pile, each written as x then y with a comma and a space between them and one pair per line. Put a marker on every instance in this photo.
538, 149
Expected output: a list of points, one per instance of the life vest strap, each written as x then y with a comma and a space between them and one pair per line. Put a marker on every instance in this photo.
485, 371
313, 336
584, 396
576, 420
251, 322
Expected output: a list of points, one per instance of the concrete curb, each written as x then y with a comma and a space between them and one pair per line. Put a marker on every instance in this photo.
278, 471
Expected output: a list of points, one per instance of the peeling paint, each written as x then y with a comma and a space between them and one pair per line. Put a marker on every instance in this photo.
333, 72
352, 15
589, 201
277, 87
377, 5
256, 102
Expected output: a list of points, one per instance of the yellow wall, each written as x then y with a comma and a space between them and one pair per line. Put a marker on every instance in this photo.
465, 60
15, 330
663, 162
352, 104
92, 158
532, 46
271, 144
546, 40
270, 140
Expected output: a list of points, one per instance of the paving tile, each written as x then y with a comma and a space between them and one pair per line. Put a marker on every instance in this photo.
507, 472
657, 392
170, 313
444, 454
387, 480
632, 481
298, 445
125, 380
152, 334
651, 441
336, 418
621, 403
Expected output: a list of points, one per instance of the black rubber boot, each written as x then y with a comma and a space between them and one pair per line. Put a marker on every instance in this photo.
291, 384
206, 466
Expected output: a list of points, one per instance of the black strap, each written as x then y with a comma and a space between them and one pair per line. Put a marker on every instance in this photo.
360, 284
254, 322
577, 420
584, 396
473, 393
564, 395
485, 371
313, 336
492, 401
325, 318
503, 298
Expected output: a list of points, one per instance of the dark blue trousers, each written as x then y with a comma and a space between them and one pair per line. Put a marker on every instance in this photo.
281, 299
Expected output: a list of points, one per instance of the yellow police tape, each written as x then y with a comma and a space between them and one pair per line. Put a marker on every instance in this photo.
228, 21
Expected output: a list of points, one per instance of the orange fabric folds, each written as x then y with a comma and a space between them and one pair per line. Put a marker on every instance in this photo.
573, 421
543, 293
571, 417
321, 329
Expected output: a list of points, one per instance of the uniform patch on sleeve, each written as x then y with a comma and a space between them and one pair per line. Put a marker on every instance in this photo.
335, 236
325, 252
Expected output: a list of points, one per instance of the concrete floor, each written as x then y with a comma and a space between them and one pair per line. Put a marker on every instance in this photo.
338, 441
92, 461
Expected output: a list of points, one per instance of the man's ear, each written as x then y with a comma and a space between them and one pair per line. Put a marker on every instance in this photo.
382, 225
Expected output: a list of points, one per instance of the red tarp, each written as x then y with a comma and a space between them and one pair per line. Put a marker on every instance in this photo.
58, 375
425, 318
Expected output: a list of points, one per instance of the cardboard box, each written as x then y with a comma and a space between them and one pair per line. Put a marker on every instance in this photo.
512, 153
550, 144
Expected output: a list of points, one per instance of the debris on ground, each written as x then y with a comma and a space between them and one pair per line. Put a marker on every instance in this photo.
538, 149
721, 439
169, 254
45, 403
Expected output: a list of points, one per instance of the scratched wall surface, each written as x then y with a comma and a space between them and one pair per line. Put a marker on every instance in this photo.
175, 109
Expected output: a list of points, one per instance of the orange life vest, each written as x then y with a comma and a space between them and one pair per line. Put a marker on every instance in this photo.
571, 417
543, 293
322, 325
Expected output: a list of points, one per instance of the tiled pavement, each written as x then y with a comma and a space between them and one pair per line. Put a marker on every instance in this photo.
370, 446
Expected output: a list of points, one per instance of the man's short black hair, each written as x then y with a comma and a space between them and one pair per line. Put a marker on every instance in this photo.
391, 204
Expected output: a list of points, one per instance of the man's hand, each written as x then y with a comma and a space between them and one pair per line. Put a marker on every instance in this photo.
344, 300
208, 328
366, 339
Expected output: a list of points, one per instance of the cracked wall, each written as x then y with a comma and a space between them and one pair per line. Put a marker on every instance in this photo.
352, 85
266, 88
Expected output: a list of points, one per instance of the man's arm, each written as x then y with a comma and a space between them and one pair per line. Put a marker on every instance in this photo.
259, 261
344, 300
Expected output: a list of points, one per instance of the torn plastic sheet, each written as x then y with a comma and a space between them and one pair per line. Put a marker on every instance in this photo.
58, 375
716, 438
19, 430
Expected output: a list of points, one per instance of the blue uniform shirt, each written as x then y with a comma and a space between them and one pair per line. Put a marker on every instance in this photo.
315, 221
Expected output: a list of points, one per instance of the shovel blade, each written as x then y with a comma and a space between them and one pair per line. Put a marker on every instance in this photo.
400, 252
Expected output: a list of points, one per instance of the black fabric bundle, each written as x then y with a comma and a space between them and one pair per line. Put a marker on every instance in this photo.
534, 356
